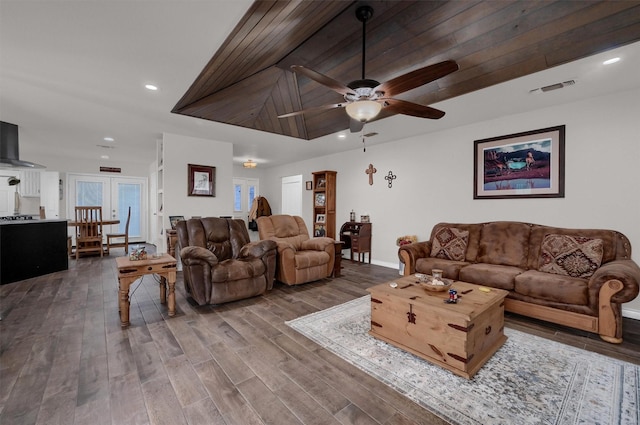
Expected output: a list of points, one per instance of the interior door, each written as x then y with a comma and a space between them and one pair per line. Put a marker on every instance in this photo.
292, 195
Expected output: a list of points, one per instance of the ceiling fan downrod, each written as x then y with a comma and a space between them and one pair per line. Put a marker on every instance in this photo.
364, 13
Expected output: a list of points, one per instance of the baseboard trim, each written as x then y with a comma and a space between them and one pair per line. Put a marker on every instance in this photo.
386, 264
631, 314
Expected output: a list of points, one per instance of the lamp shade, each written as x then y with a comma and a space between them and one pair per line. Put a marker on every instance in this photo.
363, 110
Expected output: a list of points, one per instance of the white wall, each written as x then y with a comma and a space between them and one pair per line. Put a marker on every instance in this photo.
179, 151
249, 173
65, 165
435, 177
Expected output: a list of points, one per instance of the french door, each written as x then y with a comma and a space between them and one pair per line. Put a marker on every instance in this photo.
244, 192
115, 195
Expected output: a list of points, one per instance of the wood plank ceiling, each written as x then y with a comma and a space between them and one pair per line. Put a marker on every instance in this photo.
248, 82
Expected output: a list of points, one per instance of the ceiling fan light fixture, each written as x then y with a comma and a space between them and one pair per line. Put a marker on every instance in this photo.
249, 164
363, 110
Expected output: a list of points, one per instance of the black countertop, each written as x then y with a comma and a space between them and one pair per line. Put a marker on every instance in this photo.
46, 220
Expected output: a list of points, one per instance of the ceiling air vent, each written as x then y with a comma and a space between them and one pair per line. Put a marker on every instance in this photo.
371, 134
551, 87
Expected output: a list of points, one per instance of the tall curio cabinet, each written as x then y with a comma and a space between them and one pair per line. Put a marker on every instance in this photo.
324, 203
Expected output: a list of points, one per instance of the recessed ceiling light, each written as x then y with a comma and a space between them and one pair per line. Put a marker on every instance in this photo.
342, 136
610, 61
151, 87
109, 139
104, 156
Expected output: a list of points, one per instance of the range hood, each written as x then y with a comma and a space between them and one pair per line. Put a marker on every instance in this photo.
9, 149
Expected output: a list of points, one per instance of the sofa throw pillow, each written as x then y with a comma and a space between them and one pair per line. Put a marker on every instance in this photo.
450, 243
570, 255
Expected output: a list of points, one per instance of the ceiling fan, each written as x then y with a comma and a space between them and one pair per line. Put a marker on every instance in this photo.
365, 98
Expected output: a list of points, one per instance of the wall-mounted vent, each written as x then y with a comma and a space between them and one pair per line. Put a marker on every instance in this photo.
373, 133
551, 87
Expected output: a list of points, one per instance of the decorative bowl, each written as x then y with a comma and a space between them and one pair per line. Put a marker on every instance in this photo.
434, 285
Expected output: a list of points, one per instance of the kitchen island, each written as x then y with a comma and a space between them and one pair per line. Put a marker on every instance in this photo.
30, 248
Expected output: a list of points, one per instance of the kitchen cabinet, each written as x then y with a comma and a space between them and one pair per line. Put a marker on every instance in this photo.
29, 184
32, 248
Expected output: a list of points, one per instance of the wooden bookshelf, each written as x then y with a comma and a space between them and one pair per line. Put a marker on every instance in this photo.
324, 204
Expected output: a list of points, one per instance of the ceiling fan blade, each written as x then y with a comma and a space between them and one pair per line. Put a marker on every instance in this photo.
356, 126
417, 78
322, 79
314, 109
413, 109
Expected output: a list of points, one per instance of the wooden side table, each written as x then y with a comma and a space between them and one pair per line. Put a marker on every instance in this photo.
172, 241
337, 265
130, 271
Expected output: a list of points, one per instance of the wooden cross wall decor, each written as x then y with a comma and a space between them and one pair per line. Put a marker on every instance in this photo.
370, 171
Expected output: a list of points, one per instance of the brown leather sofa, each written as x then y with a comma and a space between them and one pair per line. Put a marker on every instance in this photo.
301, 259
574, 277
220, 263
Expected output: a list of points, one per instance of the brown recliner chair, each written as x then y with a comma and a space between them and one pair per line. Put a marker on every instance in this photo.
220, 263
300, 259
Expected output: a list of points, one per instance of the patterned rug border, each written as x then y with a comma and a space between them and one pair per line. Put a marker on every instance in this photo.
575, 386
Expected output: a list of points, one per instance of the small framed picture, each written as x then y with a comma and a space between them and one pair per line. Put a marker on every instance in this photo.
173, 219
202, 180
319, 200
364, 218
309, 184
320, 218
319, 231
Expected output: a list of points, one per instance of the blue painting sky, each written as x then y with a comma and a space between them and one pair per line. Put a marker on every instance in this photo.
542, 145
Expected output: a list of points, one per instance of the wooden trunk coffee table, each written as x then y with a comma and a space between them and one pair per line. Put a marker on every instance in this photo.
459, 337
130, 271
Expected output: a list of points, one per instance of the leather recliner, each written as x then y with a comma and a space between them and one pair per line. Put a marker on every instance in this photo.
220, 263
301, 259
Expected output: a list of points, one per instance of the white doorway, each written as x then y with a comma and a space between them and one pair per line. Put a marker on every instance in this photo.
292, 195
115, 195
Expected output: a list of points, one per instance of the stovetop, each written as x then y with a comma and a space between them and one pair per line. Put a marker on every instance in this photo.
17, 217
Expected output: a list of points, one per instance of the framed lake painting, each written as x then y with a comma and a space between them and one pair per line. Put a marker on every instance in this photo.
521, 165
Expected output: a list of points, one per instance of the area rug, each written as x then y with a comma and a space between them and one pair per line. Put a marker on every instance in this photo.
530, 380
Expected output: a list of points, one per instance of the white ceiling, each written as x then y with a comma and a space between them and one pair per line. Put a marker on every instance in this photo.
73, 72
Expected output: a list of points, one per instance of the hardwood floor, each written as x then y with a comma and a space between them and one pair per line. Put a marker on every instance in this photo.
65, 360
